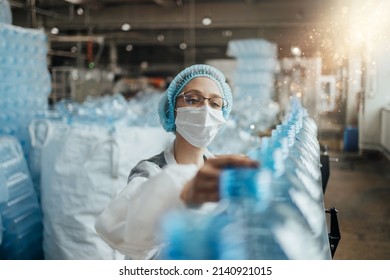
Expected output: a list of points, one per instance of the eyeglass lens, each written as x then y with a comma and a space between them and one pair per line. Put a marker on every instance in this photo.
195, 99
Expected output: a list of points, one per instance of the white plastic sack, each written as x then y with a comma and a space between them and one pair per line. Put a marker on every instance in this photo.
83, 167
38, 132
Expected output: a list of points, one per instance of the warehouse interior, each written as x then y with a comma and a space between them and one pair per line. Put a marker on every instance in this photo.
74, 63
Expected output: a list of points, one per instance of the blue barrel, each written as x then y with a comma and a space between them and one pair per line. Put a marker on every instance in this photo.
351, 139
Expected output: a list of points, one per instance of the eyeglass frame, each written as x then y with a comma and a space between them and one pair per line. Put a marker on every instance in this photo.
224, 101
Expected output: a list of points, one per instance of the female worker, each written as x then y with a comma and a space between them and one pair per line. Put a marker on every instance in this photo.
194, 107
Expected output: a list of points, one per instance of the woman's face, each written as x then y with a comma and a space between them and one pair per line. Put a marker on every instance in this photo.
205, 86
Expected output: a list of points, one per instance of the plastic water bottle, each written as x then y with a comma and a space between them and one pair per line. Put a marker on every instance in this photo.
193, 236
186, 237
231, 238
299, 154
304, 136
239, 185
296, 167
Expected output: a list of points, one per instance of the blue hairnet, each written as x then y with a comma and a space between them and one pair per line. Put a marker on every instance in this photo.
167, 103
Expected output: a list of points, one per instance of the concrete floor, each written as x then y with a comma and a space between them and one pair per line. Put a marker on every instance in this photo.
359, 188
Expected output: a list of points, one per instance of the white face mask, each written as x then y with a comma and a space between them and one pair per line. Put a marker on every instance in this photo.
198, 125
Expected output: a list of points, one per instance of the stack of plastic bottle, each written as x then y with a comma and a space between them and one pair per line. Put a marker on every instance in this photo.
103, 111
140, 110
144, 104
20, 214
5, 12
24, 80
253, 82
253, 88
273, 212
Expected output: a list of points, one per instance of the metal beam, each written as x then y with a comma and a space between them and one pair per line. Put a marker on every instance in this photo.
77, 38
16, 4
222, 14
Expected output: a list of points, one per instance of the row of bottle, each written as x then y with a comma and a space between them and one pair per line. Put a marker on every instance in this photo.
25, 82
291, 200
273, 212
21, 217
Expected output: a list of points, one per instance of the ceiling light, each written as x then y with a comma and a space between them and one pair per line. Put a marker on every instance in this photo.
206, 21
183, 46
126, 27
129, 48
54, 31
227, 33
160, 37
75, 1
296, 51
144, 65
80, 11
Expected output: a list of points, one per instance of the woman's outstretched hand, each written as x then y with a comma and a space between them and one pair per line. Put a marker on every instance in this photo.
204, 187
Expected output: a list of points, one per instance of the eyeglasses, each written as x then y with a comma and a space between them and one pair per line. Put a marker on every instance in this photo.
193, 98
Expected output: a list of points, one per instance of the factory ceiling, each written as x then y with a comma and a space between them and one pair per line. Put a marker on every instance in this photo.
166, 34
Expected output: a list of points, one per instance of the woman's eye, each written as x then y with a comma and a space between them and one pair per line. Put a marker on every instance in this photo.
193, 100
215, 104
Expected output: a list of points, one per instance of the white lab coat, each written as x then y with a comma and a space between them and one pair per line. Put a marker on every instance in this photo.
131, 222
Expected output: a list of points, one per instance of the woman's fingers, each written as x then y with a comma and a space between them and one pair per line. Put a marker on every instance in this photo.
193, 194
202, 197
